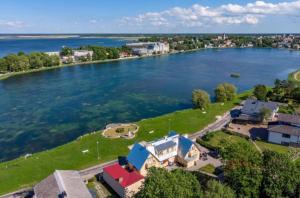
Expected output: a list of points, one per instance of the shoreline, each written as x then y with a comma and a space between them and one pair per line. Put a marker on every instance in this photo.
8, 75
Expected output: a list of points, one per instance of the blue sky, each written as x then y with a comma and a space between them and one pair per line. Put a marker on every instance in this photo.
149, 16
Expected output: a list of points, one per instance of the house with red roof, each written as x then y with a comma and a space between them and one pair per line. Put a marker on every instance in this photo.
125, 183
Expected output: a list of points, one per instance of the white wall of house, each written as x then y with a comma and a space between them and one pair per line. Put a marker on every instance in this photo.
278, 138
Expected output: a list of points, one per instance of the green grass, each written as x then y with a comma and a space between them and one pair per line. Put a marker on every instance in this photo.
275, 147
218, 139
294, 77
22, 172
209, 168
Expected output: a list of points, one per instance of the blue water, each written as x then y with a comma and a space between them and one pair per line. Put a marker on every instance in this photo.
15, 45
45, 109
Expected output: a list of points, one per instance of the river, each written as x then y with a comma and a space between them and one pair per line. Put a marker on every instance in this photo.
45, 109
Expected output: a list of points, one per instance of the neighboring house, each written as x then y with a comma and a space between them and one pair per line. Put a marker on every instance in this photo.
82, 54
61, 184
251, 111
286, 130
124, 183
164, 152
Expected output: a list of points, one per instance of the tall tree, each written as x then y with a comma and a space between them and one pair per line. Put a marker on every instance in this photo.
281, 175
216, 189
260, 92
225, 92
242, 169
200, 98
162, 183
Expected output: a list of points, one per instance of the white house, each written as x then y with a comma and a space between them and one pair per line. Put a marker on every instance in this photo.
285, 131
82, 53
148, 48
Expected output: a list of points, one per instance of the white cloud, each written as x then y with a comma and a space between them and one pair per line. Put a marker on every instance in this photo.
198, 15
93, 21
12, 24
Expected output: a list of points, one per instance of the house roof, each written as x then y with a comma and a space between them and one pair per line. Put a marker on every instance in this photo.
288, 118
165, 146
137, 156
172, 133
117, 172
253, 106
68, 182
184, 145
285, 129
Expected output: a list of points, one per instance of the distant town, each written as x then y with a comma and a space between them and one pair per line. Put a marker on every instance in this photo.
142, 47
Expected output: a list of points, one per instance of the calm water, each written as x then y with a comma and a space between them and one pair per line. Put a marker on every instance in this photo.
45, 109
15, 45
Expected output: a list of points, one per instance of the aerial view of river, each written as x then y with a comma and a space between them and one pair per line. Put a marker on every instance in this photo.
45, 109
13, 45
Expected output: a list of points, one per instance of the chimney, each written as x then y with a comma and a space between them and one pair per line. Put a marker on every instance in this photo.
120, 179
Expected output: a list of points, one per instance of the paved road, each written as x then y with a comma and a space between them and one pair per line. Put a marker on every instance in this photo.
217, 125
95, 170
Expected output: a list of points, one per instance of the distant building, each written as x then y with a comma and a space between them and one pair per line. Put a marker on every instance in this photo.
285, 130
164, 152
61, 184
125, 183
251, 111
149, 48
52, 53
82, 54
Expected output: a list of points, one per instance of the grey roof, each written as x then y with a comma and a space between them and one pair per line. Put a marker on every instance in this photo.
285, 129
165, 146
288, 118
253, 106
47, 188
68, 182
246, 117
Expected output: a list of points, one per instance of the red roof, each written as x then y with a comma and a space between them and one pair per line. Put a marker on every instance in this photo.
117, 172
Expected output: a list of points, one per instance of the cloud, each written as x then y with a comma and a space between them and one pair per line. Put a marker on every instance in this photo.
12, 24
198, 15
93, 21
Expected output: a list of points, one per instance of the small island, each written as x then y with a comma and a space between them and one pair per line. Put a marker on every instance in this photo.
235, 75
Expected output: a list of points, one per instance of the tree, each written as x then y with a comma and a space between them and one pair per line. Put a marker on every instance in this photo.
281, 175
265, 113
36, 60
296, 94
66, 51
218, 190
242, 169
162, 183
225, 92
200, 98
17, 63
3, 65
260, 92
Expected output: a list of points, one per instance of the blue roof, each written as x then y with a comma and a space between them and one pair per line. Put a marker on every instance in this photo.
172, 133
137, 156
185, 145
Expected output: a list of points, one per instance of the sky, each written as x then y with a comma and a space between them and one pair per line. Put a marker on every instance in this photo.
149, 16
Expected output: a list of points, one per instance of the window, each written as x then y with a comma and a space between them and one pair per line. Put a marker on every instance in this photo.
286, 135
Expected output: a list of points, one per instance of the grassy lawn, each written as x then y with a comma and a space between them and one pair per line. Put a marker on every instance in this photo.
22, 172
273, 147
209, 168
219, 139
294, 77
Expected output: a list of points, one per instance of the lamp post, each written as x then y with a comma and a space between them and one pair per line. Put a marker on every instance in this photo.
98, 150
